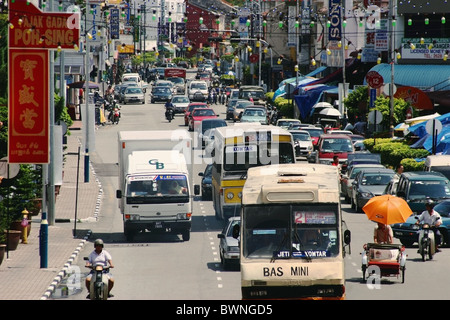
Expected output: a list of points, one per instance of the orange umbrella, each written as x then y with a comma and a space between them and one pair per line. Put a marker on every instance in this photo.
387, 209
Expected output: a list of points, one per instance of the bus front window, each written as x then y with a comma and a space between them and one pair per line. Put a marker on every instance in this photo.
284, 231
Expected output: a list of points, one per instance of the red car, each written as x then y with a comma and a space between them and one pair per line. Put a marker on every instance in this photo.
192, 106
199, 114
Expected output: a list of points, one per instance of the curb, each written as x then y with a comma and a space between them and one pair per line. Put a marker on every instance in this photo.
64, 271
66, 267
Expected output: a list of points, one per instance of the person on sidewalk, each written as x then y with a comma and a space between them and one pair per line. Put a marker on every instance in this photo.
99, 256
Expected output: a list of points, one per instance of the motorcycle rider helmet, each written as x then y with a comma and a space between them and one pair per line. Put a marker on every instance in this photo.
429, 203
98, 242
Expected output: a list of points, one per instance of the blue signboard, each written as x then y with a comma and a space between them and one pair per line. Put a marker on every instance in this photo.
114, 23
334, 31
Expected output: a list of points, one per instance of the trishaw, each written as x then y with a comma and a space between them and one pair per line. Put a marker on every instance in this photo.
384, 260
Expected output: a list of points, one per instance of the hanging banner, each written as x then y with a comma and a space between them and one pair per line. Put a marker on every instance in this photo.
28, 123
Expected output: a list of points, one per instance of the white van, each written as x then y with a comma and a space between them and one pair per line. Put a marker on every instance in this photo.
197, 86
438, 163
134, 77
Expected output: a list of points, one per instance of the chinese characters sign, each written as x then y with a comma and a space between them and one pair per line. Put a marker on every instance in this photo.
28, 106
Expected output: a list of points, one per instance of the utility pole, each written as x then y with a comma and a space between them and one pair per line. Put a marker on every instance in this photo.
392, 53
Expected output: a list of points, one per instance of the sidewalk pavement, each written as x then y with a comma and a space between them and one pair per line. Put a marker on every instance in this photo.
21, 275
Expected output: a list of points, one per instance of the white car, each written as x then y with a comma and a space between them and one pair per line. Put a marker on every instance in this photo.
285, 123
180, 103
303, 144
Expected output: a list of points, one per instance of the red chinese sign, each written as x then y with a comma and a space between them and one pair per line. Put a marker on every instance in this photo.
32, 28
28, 123
31, 34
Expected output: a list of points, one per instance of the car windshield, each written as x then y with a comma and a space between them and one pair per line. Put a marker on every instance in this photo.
206, 125
231, 227
180, 100
203, 113
134, 90
422, 189
315, 132
199, 86
161, 90
337, 145
300, 136
443, 208
192, 107
376, 179
254, 113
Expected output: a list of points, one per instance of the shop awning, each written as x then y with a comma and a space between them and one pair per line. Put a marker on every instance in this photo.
425, 77
314, 72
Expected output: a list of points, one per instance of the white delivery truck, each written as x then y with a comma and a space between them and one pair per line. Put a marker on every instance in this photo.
155, 191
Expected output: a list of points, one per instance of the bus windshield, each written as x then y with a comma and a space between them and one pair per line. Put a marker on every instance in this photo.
240, 158
157, 189
290, 231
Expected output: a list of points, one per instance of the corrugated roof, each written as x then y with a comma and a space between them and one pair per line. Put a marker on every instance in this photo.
425, 77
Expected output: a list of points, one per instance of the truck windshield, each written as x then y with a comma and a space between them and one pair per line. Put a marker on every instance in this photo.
290, 231
157, 189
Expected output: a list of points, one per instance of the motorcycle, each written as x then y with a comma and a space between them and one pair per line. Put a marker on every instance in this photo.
169, 114
99, 282
114, 114
427, 242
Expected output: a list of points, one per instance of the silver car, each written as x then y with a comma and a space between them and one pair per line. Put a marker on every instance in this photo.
229, 246
133, 94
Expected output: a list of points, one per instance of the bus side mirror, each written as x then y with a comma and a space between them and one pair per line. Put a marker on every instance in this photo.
347, 237
236, 231
196, 189
118, 194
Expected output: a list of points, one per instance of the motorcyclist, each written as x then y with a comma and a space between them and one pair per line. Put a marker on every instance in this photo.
432, 218
99, 256
169, 106
114, 111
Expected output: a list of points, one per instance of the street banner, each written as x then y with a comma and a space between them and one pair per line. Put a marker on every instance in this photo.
28, 123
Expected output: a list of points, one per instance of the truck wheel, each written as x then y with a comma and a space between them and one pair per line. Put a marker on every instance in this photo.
186, 235
129, 235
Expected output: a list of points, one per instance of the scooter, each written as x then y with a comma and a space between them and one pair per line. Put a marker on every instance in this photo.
99, 282
114, 115
169, 114
427, 244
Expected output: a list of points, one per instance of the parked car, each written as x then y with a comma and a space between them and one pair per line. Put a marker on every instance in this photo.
302, 143
208, 124
161, 94
183, 64
197, 115
239, 108
251, 114
369, 183
417, 187
336, 131
299, 126
191, 107
180, 103
133, 94
206, 183
348, 177
229, 246
408, 232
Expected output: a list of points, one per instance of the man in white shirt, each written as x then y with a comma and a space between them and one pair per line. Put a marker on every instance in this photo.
433, 218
